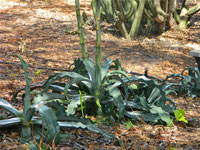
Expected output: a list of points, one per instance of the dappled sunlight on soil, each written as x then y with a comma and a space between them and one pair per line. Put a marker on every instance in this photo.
42, 33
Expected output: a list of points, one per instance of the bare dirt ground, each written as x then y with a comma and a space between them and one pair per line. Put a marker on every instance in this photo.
41, 33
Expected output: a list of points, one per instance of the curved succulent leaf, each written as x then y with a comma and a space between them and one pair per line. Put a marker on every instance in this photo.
10, 122
85, 121
134, 105
72, 106
197, 73
119, 81
27, 99
48, 96
78, 124
163, 115
57, 87
90, 67
118, 101
57, 107
142, 115
168, 86
7, 106
90, 127
78, 67
59, 76
49, 119
118, 72
154, 94
173, 75
143, 102
151, 7
143, 79
104, 68
170, 92
83, 80
190, 70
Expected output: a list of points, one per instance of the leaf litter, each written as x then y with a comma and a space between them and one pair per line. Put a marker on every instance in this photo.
39, 32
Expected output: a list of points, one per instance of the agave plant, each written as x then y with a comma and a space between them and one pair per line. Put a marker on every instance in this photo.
98, 92
148, 101
51, 119
189, 83
55, 99
135, 97
25, 117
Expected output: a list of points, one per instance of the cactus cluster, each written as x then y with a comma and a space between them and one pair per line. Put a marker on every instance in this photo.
133, 16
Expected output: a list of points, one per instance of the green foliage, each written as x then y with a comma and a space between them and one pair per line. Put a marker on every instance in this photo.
137, 98
38, 72
149, 101
187, 84
86, 81
39, 115
108, 91
27, 99
133, 17
6, 106
180, 115
82, 104
24, 118
129, 125
80, 30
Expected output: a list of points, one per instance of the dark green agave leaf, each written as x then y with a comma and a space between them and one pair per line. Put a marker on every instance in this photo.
75, 103
27, 99
118, 101
48, 96
71, 108
57, 107
49, 120
90, 127
154, 94
143, 102
10, 122
118, 82
197, 73
118, 72
7, 106
104, 68
117, 65
71, 118
78, 124
164, 116
90, 67
141, 79
59, 88
142, 115
26, 134
54, 100
173, 75
83, 80
59, 76
134, 105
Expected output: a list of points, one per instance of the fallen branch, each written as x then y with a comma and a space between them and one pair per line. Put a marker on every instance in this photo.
145, 74
37, 67
57, 69
37, 85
